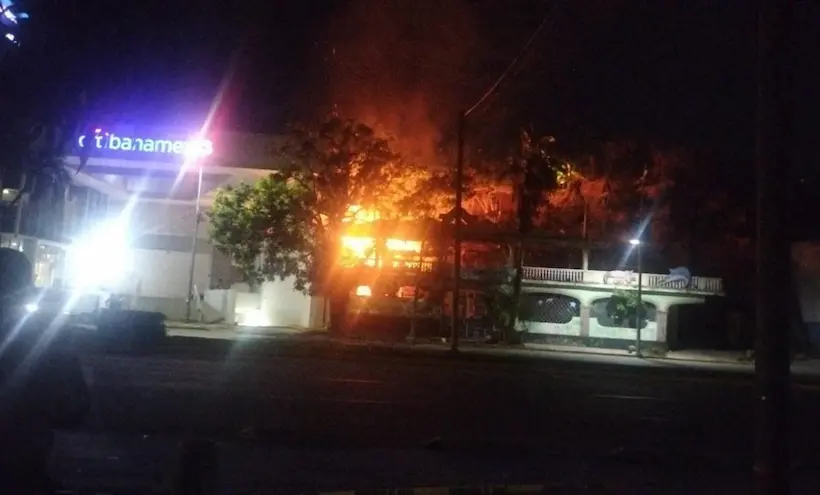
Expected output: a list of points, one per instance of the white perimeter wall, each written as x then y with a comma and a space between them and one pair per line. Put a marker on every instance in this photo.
282, 306
649, 333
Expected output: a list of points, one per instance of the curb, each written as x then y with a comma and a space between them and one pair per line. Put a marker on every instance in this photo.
740, 361
455, 490
312, 341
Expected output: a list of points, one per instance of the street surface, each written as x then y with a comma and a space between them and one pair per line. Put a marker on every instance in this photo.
306, 423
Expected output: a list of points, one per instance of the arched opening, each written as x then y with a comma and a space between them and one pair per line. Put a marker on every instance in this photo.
549, 308
622, 311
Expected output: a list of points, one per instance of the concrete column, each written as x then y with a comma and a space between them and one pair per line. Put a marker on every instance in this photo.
29, 248
18, 216
229, 310
585, 312
661, 319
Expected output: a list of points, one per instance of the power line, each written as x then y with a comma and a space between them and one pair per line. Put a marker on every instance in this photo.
509, 69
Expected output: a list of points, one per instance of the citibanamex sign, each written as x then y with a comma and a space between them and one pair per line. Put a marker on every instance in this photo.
141, 144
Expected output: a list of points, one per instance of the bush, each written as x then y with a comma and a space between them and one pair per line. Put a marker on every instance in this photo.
622, 308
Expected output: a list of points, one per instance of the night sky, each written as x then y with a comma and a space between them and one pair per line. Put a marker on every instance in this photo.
672, 71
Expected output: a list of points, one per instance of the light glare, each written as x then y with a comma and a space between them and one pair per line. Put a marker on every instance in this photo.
101, 258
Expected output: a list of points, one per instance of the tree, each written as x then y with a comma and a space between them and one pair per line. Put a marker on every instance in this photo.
291, 223
261, 228
33, 146
535, 171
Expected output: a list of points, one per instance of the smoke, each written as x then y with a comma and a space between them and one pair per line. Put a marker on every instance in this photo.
400, 66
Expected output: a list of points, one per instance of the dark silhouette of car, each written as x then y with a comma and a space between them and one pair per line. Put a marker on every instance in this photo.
41, 381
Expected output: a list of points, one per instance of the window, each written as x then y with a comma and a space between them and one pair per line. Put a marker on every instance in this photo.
9, 195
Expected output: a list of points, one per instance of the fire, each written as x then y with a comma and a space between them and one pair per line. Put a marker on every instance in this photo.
359, 215
359, 247
364, 291
403, 245
363, 247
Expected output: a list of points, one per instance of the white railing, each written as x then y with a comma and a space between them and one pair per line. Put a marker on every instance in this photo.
707, 284
554, 274
621, 279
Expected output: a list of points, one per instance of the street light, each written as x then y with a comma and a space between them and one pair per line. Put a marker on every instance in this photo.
194, 153
638, 318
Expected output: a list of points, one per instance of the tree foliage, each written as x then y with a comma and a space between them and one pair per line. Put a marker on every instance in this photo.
262, 228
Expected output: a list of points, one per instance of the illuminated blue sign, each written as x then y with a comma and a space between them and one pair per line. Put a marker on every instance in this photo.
141, 144
9, 13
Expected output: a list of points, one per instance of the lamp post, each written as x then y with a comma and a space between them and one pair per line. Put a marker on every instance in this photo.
194, 243
455, 322
638, 318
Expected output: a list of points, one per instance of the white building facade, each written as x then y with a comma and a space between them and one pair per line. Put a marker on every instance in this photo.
146, 182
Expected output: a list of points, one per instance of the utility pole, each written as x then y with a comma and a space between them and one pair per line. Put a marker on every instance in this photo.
194, 243
639, 306
585, 236
462, 117
458, 219
772, 361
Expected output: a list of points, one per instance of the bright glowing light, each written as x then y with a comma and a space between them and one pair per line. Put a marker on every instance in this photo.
255, 318
358, 215
8, 14
362, 247
363, 291
359, 247
101, 258
195, 148
403, 245
635, 242
32, 307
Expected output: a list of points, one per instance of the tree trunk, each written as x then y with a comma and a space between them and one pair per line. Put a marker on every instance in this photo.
525, 226
518, 275
336, 284
339, 302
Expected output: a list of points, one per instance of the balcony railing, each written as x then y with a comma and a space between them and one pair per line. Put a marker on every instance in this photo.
622, 279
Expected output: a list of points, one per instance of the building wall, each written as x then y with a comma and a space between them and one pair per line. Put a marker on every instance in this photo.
162, 241
159, 273
151, 218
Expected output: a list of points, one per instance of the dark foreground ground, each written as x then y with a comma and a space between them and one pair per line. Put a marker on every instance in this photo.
301, 421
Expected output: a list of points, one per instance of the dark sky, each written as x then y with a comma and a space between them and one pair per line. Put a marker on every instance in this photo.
676, 71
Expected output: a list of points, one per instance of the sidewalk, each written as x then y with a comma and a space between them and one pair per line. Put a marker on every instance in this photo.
226, 331
739, 361
699, 355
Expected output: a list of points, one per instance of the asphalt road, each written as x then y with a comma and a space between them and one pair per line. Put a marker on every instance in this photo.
354, 421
